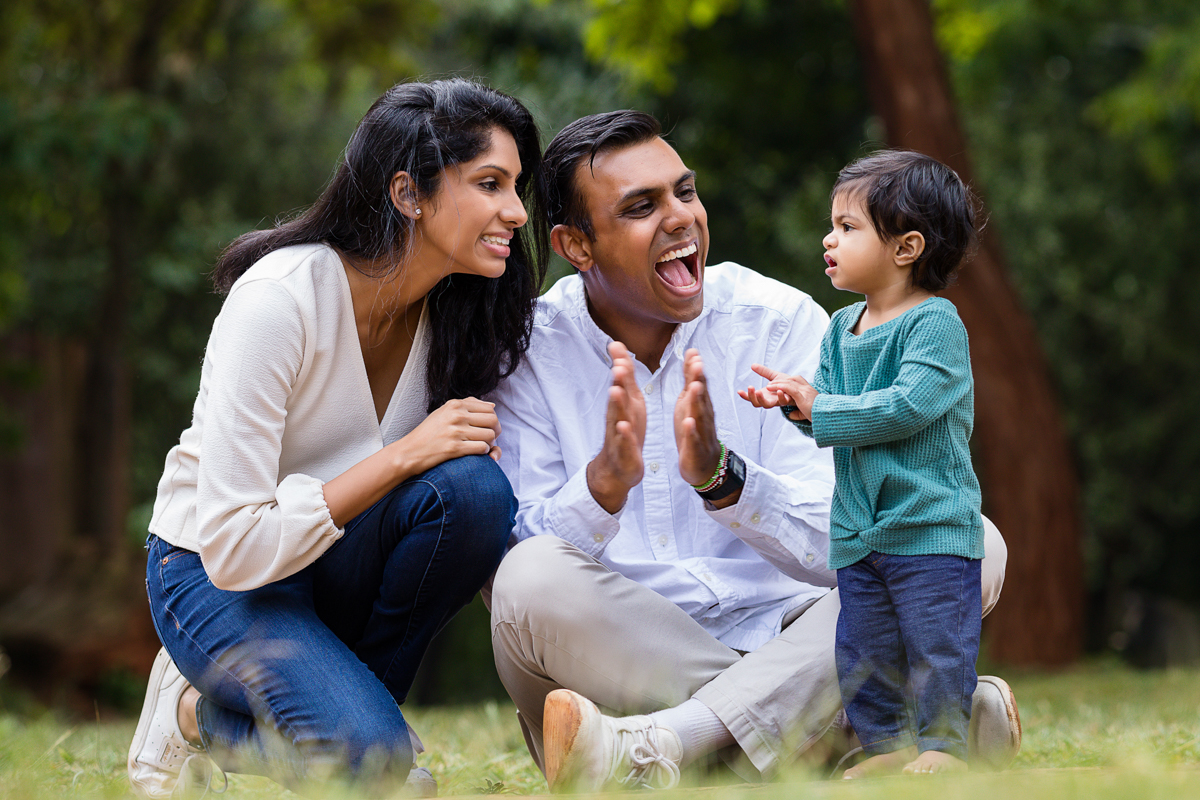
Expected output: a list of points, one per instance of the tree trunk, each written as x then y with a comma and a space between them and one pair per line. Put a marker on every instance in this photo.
72, 606
36, 523
1029, 478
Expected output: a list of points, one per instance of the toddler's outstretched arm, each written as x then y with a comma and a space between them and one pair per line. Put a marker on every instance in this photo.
781, 390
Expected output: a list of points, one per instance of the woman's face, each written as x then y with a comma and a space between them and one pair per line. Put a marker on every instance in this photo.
467, 225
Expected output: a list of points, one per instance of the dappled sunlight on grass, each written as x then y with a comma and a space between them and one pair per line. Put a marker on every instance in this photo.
1097, 732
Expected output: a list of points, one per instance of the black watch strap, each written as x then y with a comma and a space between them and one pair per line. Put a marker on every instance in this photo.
735, 479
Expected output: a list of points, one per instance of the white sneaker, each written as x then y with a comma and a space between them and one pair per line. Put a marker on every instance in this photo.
420, 783
994, 737
585, 751
161, 762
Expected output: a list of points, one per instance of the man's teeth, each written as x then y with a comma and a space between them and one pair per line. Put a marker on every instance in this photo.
496, 240
674, 254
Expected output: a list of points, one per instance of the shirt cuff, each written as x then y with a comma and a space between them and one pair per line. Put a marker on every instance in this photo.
757, 518
577, 518
750, 511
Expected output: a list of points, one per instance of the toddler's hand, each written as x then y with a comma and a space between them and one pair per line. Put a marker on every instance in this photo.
782, 389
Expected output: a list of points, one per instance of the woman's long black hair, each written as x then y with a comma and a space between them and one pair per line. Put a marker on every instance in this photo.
479, 327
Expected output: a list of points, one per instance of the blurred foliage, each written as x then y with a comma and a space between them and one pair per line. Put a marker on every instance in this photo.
212, 117
641, 38
160, 131
1084, 120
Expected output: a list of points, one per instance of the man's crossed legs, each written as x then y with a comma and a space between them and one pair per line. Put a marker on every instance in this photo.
561, 619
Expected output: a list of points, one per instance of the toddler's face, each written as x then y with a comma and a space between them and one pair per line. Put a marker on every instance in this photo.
856, 259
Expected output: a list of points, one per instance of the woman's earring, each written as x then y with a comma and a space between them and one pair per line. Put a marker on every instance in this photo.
418, 212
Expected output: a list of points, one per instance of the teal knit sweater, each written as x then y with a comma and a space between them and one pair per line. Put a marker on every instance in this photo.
897, 405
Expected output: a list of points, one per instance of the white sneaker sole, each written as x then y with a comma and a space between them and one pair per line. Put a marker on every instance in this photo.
994, 737
153, 686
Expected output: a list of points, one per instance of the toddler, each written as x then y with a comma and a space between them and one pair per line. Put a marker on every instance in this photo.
894, 397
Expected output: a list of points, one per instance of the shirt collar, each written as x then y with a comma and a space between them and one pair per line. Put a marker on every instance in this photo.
598, 340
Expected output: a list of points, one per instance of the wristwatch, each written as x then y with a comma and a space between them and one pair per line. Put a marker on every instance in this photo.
735, 479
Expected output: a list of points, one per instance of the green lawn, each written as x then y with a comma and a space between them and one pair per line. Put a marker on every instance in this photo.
1099, 731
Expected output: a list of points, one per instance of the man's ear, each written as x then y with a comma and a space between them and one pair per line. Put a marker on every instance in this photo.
908, 248
573, 245
403, 191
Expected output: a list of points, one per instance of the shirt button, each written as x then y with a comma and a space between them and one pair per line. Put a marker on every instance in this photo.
654, 466
649, 388
809, 558
599, 537
735, 524
755, 517
662, 540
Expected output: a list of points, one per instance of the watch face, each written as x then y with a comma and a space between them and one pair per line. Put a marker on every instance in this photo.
737, 466
735, 478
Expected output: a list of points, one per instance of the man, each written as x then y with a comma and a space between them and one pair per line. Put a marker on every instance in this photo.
672, 539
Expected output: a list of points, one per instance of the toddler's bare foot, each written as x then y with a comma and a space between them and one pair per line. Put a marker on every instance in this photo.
882, 764
932, 761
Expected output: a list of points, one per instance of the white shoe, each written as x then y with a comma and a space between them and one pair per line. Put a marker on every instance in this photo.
585, 751
420, 783
161, 762
994, 737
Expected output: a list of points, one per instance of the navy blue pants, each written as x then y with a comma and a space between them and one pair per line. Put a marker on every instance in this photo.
907, 642
302, 678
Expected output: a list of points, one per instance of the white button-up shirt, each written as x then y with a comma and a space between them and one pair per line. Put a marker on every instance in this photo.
737, 571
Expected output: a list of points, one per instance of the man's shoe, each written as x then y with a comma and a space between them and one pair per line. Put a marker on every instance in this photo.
161, 762
586, 751
994, 738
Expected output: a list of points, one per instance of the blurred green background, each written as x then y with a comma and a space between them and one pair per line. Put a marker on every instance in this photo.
138, 137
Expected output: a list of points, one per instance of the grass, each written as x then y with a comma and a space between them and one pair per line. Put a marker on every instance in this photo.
1097, 732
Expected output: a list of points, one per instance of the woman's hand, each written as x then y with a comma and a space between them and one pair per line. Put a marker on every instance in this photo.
459, 428
464, 427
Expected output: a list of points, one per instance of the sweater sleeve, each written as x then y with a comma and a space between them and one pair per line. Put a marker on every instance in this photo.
255, 526
934, 374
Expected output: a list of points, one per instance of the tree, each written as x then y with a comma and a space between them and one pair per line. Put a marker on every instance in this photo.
138, 138
1023, 455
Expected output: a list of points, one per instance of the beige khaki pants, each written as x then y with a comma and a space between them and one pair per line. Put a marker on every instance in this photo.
561, 619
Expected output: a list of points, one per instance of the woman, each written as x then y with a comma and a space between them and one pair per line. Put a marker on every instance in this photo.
333, 503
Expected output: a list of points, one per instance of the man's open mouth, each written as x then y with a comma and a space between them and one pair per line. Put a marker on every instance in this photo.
679, 268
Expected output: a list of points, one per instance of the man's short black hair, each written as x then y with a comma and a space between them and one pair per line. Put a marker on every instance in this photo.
905, 191
584, 139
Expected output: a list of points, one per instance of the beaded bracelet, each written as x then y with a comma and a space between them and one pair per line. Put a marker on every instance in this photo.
718, 477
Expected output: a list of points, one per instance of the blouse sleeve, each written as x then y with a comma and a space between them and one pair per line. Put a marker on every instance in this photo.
255, 527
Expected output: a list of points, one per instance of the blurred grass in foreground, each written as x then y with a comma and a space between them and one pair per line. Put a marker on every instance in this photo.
1097, 732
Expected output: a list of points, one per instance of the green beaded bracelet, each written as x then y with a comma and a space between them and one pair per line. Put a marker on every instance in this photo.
718, 477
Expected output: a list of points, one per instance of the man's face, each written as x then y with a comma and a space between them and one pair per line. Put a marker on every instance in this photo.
650, 239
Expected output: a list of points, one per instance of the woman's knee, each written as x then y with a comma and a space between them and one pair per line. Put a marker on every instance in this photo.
476, 483
478, 497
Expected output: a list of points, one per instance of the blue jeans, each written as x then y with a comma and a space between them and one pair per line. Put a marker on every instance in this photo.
302, 678
907, 641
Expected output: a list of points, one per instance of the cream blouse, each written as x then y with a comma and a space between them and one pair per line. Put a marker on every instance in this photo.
284, 405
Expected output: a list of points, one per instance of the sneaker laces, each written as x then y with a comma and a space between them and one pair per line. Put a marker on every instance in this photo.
646, 760
198, 762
